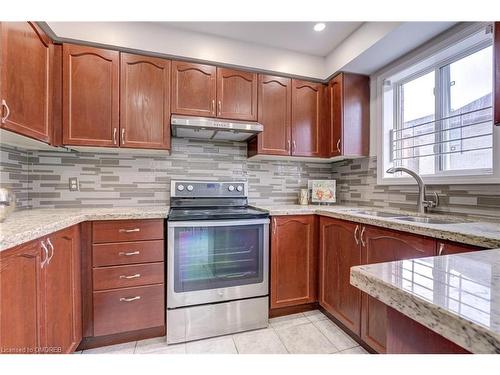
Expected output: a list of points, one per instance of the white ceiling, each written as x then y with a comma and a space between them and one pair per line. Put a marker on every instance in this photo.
294, 36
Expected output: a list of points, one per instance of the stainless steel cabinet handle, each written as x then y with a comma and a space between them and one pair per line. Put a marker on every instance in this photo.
129, 253
288, 147
129, 230
46, 251
136, 276
220, 107
130, 299
51, 252
114, 135
274, 225
123, 137
356, 234
213, 106
361, 237
7, 111
338, 145
441, 249
294, 146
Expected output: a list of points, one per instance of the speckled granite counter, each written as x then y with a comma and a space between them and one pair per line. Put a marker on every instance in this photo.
457, 296
467, 231
24, 226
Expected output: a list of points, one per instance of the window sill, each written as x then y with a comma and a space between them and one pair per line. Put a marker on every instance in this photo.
440, 180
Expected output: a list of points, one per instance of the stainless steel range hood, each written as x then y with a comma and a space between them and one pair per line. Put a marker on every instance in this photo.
213, 128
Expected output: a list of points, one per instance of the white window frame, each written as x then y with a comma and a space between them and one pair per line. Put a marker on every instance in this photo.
424, 52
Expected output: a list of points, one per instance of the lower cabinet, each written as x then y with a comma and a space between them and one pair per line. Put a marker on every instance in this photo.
448, 248
293, 261
384, 245
339, 250
40, 295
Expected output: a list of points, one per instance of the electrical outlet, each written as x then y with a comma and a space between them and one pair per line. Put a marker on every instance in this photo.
73, 184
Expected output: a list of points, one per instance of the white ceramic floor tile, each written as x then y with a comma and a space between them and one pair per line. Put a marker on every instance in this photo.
336, 336
305, 339
218, 345
78, 352
315, 315
170, 349
151, 345
355, 350
263, 341
288, 321
127, 348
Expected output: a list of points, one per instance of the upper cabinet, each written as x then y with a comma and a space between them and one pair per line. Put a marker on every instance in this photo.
90, 96
194, 89
308, 130
496, 71
349, 115
144, 102
26, 80
275, 113
236, 94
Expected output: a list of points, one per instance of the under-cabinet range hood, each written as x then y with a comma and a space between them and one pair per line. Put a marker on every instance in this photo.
214, 128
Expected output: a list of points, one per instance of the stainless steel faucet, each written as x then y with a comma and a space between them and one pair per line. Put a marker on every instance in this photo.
422, 204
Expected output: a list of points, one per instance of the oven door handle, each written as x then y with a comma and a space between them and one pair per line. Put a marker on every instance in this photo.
235, 275
216, 223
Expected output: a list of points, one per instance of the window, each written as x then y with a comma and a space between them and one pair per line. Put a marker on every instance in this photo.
437, 116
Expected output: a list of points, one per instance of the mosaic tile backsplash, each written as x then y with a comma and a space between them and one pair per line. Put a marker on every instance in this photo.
40, 178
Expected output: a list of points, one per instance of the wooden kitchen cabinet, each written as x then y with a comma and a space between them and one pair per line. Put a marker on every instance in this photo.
349, 115
448, 248
144, 102
236, 94
384, 245
27, 75
90, 96
293, 261
308, 125
339, 250
194, 89
496, 72
40, 296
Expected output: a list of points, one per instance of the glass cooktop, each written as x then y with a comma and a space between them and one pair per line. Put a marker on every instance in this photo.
216, 213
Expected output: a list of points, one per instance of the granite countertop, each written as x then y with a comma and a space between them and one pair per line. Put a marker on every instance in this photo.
468, 231
27, 225
456, 296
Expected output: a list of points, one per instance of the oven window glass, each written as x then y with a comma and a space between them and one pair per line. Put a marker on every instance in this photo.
217, 257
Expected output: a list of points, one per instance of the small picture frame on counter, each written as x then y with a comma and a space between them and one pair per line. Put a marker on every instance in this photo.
323, 191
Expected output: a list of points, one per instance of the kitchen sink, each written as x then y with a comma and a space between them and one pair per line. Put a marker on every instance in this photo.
377, 213
426, 220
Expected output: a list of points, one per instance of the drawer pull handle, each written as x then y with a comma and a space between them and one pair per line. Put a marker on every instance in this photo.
130, 299
130, 253
137, 275
129, 230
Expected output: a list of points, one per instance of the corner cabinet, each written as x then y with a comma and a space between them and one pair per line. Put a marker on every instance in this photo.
349, 115
236, 94
26, 80
144, 102
308, 126
293, 261
40, 295
90, 96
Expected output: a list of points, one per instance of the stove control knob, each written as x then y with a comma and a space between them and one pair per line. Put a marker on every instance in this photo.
180, 187
190, 188
230, 188
239, 188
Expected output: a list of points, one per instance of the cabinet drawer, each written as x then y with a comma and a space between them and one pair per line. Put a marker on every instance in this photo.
127, 276
128, 309
112, 254
126, 230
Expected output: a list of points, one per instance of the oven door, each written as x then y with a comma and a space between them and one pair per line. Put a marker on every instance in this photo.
216, 260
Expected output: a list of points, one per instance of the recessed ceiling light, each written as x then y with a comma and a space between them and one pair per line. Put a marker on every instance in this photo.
320, 26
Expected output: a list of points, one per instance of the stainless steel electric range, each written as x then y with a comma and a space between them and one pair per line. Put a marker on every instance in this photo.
217, 261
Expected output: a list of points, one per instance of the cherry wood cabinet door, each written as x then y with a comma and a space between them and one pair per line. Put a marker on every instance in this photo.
144, 102
496, 72
26, 80
335, 120
339, 250
62, 291
307, 125
236, 94
274, 112
90, 96
194, 89
293, 260
20, 304
448, 248
383, 245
